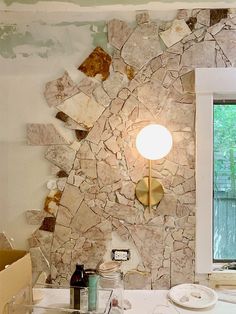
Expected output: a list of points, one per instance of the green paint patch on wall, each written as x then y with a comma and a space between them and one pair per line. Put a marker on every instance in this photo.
99, 35
98, 31
10, 38
44, 40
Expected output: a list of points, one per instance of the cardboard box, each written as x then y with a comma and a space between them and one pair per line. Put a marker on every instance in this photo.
16, 278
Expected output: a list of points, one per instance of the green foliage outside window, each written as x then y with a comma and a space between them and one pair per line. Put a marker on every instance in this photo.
224, 213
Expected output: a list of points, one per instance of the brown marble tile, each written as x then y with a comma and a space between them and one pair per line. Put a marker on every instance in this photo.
80, 134
130, 72
98, 62
216, 15
191, 22
48, 224
62, 174
62, 116
52, 198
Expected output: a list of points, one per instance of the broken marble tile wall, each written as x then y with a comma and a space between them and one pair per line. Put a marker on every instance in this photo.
148, 78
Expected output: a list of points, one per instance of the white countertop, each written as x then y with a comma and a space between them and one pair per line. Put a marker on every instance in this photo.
143, 302
148, 301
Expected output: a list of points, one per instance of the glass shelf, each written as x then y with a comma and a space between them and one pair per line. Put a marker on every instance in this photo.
56, 300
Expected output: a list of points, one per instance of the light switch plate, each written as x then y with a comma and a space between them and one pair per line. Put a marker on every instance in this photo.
120, 254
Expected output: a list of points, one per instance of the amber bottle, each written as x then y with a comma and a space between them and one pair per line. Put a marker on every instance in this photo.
77, 288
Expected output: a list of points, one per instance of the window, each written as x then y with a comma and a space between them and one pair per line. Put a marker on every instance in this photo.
212, 84
224, 183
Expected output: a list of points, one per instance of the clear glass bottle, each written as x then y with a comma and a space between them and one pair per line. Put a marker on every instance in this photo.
114, 281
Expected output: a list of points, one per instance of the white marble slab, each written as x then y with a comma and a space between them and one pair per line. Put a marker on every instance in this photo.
83, 109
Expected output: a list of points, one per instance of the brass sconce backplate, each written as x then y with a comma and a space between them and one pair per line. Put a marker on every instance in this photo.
142, 191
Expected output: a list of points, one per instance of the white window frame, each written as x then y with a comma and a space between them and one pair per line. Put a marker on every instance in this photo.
210, 84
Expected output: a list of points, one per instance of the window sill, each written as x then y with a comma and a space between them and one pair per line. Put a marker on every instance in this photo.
222, 278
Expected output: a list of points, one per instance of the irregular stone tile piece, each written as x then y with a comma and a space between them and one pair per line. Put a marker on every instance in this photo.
89, 168
58, 90
111, 144
82, 108
153, 95
114, 122
52, 184
71, 198
220, 63
85, 151
130, 72
39, 263
123, 212
200, 55
216, 15
188, 82
163, 280
118, 33
5, 243
124, 93
62, 156
62, 233
178, 30
34, 216
80, 134
121, 199
183, 14
61, 183
52, 201
168, 205
203, 17
101, 96
61, 174
84, 219
128, 189
62, 116
151, 252
48, 224
115, 83
98, 62
44, 134
87, 85
129, 106
64, 216
42, 239
142, 17
106, 174
118, 65
182, 266
228, 46
142, 45
94, 135
73, 125
137, 280
191, 22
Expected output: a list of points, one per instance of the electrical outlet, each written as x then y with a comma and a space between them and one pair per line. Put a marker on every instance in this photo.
120, 254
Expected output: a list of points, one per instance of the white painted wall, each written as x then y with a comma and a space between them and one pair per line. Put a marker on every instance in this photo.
24, 171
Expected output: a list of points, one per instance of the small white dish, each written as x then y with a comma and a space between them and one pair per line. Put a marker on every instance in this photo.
193, 296
110, 266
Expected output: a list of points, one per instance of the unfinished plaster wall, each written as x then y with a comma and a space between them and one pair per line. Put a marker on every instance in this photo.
147, 75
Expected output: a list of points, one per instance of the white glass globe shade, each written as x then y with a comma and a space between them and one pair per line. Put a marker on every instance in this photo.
154, 142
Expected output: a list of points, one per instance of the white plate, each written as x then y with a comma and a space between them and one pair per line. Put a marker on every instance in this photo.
193, 296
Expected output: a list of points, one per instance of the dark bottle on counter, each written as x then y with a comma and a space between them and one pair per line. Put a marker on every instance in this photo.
77, 288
